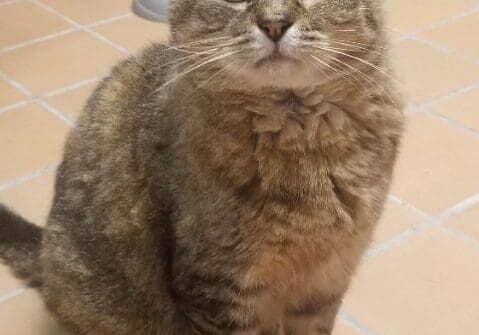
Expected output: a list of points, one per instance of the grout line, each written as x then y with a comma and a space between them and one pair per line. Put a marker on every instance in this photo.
397, 240
427, 223
415, 35
448, 96
56, 112
42, 103
14, 106
355, 324
72, 87
451, 122
446, 49
460, 207
59, 91
40, 99
33, 98
15, 84
441, 23
100, 37
466, 238
427, 108
37, 40
26, 178
109, 20
11, 2
12, 294
82, 27
61, 33
404, 203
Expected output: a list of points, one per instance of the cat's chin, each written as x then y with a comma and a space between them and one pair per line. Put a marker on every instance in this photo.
275, 61
282, 72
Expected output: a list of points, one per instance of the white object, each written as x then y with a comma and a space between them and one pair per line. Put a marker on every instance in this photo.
154, 10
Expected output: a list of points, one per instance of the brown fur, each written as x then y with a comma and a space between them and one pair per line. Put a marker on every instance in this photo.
233, 198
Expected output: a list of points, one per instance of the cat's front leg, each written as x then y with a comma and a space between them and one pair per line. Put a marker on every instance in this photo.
217, 305
315, 316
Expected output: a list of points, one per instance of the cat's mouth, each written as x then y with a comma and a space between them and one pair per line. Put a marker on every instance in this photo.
273, 59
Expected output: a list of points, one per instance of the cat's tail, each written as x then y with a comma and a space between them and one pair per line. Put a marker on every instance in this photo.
20, 243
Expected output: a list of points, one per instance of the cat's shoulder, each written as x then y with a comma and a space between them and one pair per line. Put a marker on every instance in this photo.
129, 85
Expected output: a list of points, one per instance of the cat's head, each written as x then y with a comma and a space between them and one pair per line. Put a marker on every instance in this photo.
284, 43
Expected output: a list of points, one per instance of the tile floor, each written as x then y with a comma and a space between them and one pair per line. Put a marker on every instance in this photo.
421, 275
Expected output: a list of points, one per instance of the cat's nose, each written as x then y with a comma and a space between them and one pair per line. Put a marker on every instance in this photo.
275, 30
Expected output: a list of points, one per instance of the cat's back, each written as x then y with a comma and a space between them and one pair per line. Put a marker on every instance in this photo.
101, 152
99, 225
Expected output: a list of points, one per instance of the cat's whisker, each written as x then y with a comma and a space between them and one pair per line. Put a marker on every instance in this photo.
357, 47
173, 47
361, 74
362, 44
200, 65
323, 63
222, 70
195, 55
185, 59
321, 70
335, 71
345, 50
206, 40
234, 74
322, 37
371, 81
195, 45
188, 47
369, 48
371, 65
359, 59
181, 47
226, 45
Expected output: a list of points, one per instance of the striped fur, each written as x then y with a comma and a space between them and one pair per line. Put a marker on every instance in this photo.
210, 198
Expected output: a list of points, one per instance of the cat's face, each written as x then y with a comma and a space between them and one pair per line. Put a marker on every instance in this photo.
284, 43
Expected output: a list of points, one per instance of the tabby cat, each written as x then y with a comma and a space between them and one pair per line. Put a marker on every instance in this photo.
225, 183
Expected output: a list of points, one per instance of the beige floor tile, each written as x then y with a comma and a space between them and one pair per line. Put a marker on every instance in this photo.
24, 21
426, 286
134, 33
30, 138
7, 281
467, 221
31, 199
412, 15
342, 329
463, 108
395, 220
9, 94
427, 72
26, 315
59, 62
72, 102
437, 166
458, 35
89, 11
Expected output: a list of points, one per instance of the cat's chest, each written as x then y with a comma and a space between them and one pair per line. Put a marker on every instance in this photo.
299, 121
297, 262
